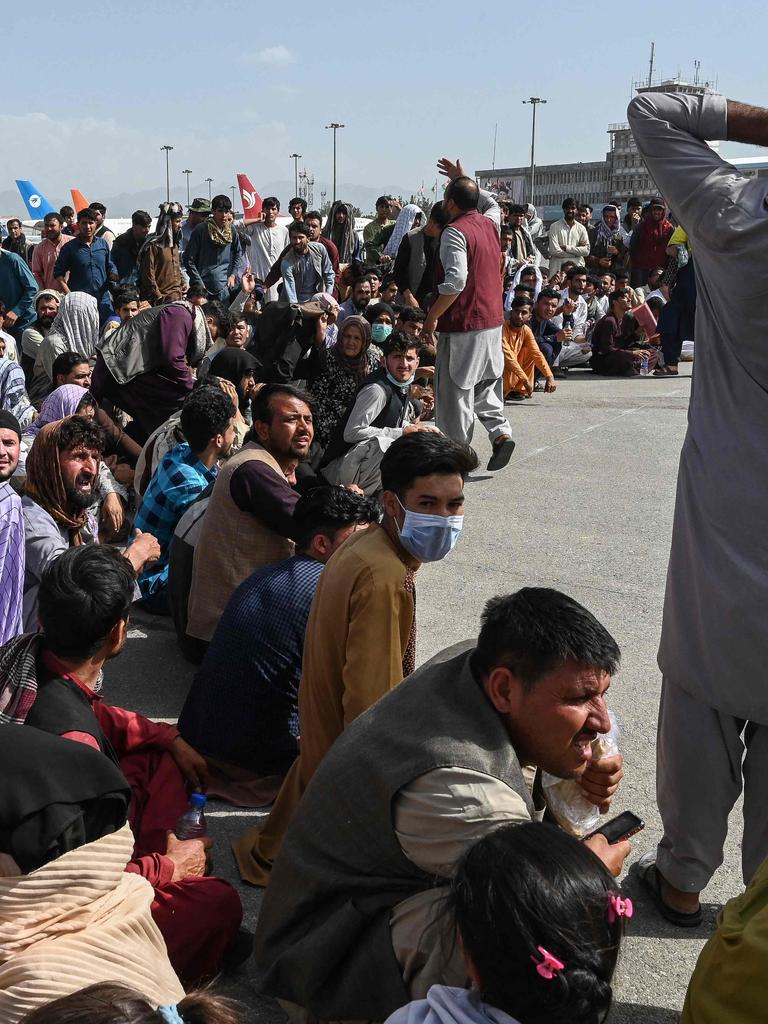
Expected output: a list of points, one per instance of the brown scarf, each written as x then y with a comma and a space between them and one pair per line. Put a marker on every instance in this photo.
220, 236
45, 485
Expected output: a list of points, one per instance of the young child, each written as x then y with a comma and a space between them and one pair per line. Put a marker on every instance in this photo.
540, 921
110, 1003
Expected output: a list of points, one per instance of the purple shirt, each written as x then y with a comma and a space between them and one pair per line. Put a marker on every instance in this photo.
11, 563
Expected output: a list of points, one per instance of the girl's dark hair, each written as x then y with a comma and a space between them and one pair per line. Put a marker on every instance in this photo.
530, 885
111, 1003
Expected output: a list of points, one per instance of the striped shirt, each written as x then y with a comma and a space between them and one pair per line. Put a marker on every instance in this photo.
11, 563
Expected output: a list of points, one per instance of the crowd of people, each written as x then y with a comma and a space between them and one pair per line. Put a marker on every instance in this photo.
261, 432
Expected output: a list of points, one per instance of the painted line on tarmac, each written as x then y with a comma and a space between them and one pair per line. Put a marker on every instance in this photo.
593, 427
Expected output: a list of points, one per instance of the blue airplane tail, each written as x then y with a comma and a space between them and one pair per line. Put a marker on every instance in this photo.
36, 203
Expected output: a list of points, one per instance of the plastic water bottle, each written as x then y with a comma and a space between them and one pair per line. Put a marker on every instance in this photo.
192, 825
644, 371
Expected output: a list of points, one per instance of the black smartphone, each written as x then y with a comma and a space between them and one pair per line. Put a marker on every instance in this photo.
619, 828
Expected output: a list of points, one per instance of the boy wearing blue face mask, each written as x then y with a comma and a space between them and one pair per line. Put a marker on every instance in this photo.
381, 317
384, 409
361, 634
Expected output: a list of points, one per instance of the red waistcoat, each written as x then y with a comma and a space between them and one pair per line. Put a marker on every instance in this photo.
479, 306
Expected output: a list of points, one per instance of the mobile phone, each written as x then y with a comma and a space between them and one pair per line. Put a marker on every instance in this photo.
619, 828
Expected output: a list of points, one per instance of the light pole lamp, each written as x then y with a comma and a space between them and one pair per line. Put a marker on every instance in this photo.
209, 180
187, 172
295, 157
232, 190
335, 126
534, 101
167, 173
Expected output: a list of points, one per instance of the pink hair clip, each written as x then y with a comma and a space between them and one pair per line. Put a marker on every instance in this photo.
549, 965
619, 907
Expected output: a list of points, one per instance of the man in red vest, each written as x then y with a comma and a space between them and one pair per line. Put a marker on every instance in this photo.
468, 315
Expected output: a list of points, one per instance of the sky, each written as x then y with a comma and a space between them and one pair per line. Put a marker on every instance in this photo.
238, 86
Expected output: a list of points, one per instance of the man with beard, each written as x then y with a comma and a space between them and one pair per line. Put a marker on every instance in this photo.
357, 302
306, 268
11, 531
16, 240
268, 240
47, 250
182, 476
576, 350
568, 239
313, 223
47, 304
340, 228
249, 521
62, 473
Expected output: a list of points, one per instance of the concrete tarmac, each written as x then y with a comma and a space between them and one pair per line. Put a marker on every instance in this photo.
584, 506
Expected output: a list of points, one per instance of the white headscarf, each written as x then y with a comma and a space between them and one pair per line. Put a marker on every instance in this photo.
403, 225
77, 324
516, 281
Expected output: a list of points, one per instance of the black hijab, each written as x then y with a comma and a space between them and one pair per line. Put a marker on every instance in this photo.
56, 795
233, 364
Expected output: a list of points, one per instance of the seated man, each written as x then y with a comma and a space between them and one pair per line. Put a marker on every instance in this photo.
249, 520
306, 268
573, 313
357, 301
62, 475
144, 367
549, 337
366, 602
383, 411
48, 682
522, 356
11, 531
182, 476
352, 925
609, 356
242, 710
46, 307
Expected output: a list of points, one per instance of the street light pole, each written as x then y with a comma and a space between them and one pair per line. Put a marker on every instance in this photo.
534, 101
295, 157
209, 180
187, 172
232, 190
334, 125
167, 173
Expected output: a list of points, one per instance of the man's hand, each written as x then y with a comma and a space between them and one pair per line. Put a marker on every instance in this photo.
112, 512
601, 779
230, 391
188, 856
142, 551
449, 169
569, 306
192, 765
231, 282
565, 335
248, 282
10, 318
415, 428
612, 855
550, 385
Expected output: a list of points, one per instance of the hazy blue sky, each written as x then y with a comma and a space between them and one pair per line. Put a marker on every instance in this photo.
238, 86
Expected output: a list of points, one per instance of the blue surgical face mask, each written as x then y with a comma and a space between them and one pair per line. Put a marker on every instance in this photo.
428, 537
403, 384
380, 332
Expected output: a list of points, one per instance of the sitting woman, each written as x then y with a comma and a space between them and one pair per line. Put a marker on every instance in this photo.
239, 368
381, 316
63, 811
337, 373
539, 922
69, 400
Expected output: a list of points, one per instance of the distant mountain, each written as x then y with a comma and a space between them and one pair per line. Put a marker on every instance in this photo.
124, 203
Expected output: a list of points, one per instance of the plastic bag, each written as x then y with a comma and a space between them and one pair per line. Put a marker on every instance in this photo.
565, 797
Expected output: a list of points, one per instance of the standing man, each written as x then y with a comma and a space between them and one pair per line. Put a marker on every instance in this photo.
568, 239
68, 221
160, 277
268, 239
126, 249
16, 240
366, 601
102, 231
214, 256
17, 293
11, 532
306, 267
414, 268
199, 211
376, 233
713, 720
468, 314
47, 250
85, 265
297, 208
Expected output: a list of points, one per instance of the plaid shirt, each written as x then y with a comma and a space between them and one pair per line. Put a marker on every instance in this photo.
179, 479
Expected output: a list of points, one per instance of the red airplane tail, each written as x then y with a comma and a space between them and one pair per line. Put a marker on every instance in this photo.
250, 197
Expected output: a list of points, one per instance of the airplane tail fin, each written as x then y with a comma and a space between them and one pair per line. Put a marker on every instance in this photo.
251, 199
35, 202
78, 200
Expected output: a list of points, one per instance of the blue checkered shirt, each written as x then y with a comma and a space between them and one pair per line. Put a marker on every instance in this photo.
179, 479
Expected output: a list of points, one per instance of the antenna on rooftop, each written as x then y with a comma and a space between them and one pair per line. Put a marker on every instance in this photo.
495, 132
697, 65
650, 65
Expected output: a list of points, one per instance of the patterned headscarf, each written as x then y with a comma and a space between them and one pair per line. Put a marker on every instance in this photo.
63, 402
356, 365
45, 485
606, 233
403, 225
77, 324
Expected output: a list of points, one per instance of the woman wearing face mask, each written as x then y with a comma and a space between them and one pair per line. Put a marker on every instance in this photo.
337, 373
381, 317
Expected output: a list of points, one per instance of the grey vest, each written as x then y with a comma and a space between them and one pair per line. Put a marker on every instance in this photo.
323, 937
